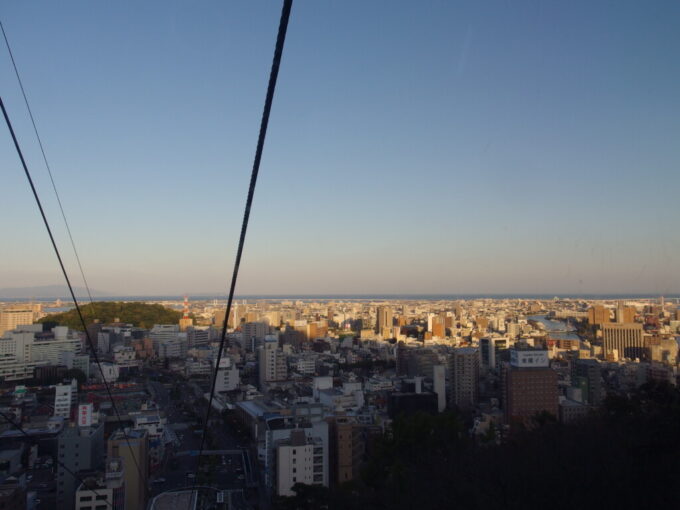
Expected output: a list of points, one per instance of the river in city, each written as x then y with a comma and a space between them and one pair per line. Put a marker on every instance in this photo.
557, 329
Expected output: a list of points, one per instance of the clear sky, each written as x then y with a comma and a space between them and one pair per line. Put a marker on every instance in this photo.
414, 147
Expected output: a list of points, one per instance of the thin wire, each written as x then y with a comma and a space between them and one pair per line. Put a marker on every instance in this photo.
281, 38
68, 281
20, 429
47, 165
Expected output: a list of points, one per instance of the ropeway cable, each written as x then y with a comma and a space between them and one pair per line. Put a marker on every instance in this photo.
68, 282
47, 165
278, 51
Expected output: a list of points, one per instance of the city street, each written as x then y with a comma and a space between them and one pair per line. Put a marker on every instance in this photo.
223, 458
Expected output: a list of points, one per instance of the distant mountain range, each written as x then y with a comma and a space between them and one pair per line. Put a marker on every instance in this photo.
48, 291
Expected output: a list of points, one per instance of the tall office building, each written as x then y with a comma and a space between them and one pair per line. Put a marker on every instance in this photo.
489, 349
133, 451
253, 333
529, 386
383, 318
623, 340
464, 370
625, 314
598, 314
401, 354
438, 327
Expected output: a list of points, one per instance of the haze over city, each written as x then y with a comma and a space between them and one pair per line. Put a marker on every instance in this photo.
437, 148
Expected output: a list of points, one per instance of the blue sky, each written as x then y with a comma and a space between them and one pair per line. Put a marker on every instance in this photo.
433, 147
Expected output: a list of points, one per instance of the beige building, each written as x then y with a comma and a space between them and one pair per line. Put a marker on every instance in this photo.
300, 459
347, 448
271, 362
598, 314
134, 455
623, 340
18, 315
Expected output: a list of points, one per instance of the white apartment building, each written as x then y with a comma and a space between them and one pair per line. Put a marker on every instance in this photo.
64, 397
26, 347
300, 459
271, 361
227, 375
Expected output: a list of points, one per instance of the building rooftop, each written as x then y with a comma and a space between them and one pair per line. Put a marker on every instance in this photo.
180, 500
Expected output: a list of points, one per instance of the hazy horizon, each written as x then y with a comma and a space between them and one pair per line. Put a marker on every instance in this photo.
429, 148
61, 291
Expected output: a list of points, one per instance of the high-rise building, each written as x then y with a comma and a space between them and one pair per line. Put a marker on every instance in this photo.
401, 354
598, 314
227, 378
300, 459
623, 340
65, 396
347, 447
420, 362
588, 370
625, 314
438, 327
79, 449
489, 349
134, 452
383, 318
253, 333
271, 362
464, 370
529, 386
439, 386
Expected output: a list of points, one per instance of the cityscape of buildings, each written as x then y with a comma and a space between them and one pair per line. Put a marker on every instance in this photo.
303, 390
